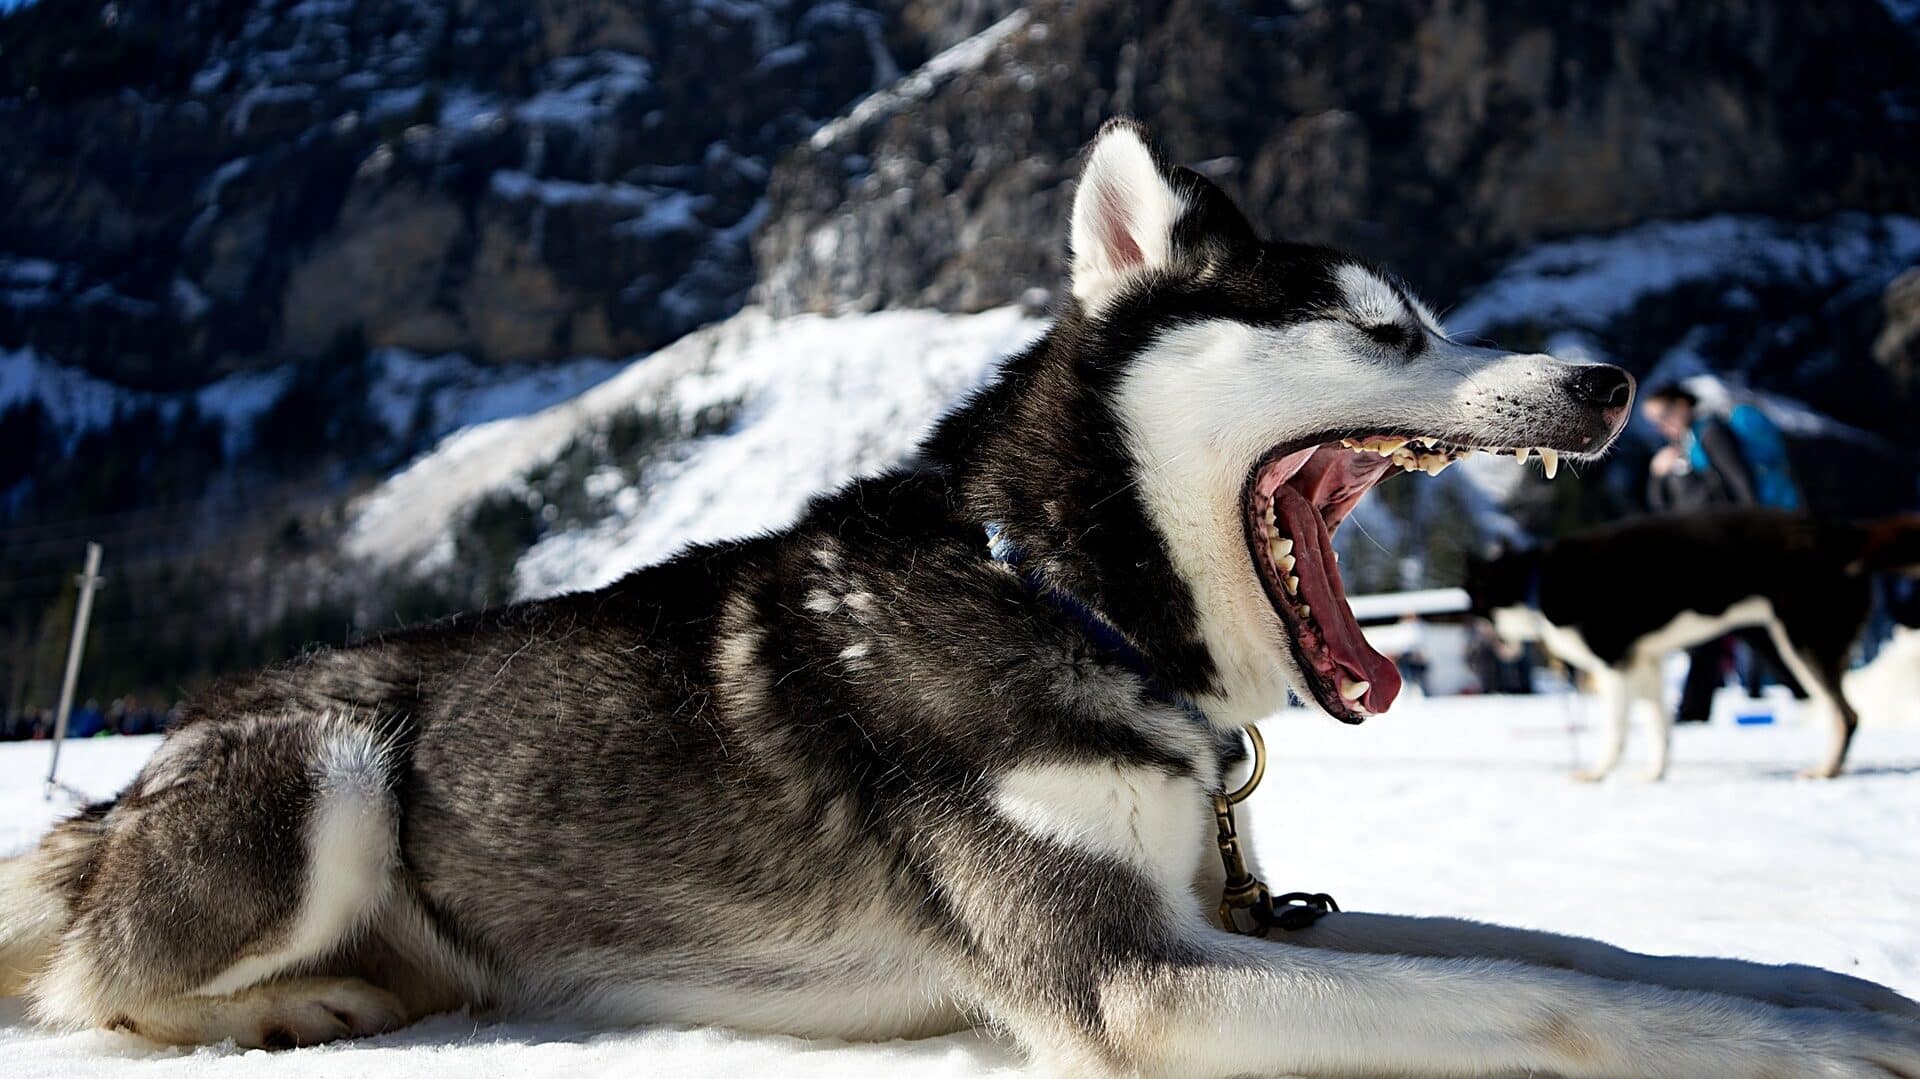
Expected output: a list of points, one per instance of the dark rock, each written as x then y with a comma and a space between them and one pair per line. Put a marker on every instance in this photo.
1437, 138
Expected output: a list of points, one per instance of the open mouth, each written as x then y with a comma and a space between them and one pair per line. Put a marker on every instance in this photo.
1296, 498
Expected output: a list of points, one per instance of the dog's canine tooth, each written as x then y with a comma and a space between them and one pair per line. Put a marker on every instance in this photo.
1352, 691
1549, 462
1520, 453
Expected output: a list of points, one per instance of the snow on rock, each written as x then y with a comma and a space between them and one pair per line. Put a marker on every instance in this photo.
958, 59
817, 400
413, 395
1589, 281
1455, 806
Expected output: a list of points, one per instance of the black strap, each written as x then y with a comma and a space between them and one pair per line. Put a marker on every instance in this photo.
1298, 910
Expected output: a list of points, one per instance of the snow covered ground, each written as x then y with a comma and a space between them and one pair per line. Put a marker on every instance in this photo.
1446, 806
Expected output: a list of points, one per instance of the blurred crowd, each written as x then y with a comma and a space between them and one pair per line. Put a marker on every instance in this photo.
126, 715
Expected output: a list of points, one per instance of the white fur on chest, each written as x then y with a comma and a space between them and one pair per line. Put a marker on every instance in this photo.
1155, 822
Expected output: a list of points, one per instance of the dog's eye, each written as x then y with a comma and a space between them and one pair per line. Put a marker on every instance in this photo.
1396, 336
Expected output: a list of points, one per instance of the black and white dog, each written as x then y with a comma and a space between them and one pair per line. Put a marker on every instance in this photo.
867, 777
1692, 578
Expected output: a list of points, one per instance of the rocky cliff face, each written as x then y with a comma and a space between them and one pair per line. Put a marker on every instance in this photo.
189, 189
1434, 136
193, 188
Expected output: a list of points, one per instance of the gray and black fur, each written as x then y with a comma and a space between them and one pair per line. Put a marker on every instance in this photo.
766, 784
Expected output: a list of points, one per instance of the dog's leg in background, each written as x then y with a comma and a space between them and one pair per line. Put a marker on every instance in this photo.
1821, 677
1644, 683
1616, 694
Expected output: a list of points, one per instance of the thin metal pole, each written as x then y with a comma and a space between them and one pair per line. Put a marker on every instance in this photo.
81, 612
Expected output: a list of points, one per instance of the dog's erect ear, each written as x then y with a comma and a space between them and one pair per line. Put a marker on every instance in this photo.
1124, 214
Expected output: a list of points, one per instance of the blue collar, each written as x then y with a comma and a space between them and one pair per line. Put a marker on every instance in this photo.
1105, 637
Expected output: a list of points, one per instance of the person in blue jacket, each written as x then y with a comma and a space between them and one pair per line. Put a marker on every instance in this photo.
1736, 460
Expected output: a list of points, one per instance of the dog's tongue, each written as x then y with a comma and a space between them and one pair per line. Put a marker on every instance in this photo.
1320, 588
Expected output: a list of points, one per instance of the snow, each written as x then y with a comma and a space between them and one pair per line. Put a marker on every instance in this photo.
961, 57
515, 185
456, 392
591, 87
882, 378
1458, 806
451, 391
1587, 282
73, 399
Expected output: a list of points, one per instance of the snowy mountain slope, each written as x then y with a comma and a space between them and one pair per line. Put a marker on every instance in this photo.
815, 400
1587, 282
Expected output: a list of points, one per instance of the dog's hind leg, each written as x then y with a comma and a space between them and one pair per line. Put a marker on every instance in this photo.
1644, 684
1616, 692
1821, 676
247, 852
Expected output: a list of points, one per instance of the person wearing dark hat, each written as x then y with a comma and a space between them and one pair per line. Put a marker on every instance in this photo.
1701, 465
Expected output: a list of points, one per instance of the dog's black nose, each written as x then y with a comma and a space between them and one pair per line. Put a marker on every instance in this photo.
1602, 385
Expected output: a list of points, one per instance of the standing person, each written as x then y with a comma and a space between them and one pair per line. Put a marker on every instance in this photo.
1709, 461
1701, 466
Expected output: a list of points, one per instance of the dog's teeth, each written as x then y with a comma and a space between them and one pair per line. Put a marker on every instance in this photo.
1353, 691
1386, 446
1433, 464
1285, 562
1281, 548
1520, 454
1293, 585
1305, 611
1549, 462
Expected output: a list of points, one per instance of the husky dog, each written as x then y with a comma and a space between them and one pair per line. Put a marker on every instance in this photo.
866, 778
1805, 583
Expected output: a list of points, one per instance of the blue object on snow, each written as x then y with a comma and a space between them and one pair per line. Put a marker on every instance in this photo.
1755, 719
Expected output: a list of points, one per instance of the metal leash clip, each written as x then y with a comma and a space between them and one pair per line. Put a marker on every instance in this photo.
1246, 907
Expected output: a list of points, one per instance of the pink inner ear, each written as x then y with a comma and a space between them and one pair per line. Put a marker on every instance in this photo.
1117, 224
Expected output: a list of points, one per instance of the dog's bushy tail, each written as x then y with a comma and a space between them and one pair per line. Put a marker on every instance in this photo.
1891, 546
34, 895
